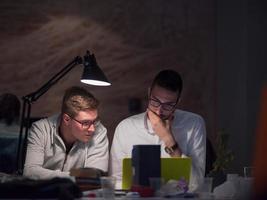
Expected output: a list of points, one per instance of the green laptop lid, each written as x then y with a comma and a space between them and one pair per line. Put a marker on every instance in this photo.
171, 168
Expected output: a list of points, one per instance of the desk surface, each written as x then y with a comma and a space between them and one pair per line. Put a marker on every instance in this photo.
87, 194
122, 195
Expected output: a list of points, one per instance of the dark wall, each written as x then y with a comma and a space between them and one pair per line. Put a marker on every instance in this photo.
241, 36
132, 41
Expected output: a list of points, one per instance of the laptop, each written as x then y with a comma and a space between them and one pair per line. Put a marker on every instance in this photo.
171, 168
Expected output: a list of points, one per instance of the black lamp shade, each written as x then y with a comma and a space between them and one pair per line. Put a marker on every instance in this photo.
92, 74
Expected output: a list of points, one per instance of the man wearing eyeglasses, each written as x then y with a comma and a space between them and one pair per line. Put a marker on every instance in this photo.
180, 133
72, 140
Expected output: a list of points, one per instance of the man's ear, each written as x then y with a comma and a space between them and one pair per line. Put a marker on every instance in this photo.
66, 118
148, 92
179, 100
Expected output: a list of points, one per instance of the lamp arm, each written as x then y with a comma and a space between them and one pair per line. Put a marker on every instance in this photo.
42, 90
26, 110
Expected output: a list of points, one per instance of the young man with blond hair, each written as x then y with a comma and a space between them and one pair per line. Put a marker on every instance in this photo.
73, 139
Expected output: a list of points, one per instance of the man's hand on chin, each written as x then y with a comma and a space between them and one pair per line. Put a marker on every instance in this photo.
161, 127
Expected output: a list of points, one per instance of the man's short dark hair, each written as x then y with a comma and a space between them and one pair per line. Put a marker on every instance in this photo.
170, 80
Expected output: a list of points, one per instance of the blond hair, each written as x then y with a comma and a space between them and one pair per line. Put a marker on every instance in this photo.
78, 99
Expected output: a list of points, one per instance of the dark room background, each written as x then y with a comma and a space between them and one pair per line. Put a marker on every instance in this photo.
211, 43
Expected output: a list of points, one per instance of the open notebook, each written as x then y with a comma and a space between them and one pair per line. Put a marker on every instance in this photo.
171, 168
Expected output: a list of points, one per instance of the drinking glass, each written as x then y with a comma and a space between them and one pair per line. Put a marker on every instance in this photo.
108, 187
156, 183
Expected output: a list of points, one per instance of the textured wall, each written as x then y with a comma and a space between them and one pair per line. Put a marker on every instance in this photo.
132, 41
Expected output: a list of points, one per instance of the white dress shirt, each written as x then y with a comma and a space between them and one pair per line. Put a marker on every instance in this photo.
188, 130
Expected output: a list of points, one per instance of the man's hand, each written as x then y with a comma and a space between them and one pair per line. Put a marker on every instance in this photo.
163, 129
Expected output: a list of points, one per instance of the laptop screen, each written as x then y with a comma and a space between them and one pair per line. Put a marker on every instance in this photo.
171, 168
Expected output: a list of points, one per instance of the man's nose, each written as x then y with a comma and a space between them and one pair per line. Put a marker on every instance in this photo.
91, 128
159, 110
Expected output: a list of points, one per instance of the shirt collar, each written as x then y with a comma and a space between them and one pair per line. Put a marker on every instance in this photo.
148, 125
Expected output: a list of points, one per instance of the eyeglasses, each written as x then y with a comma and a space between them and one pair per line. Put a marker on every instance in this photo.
87, 124
165, 106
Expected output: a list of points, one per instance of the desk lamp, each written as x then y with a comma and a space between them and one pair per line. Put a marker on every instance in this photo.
92, 74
